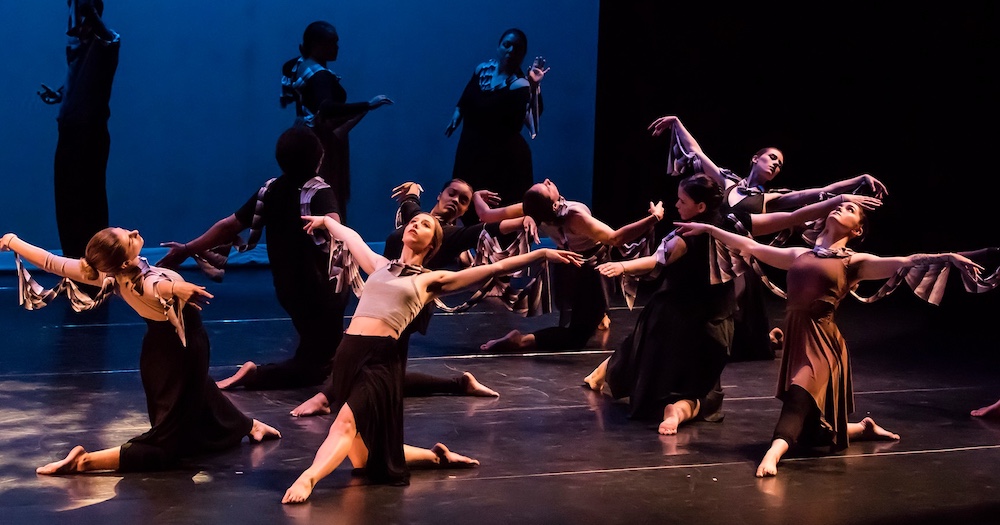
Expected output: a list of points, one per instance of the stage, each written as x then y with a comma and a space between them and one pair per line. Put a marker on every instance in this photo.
552, 451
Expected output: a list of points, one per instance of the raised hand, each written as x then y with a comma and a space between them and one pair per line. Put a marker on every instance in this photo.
193, 294
379, 101
866, 202
656, 210
177, 253
313, 222
406, 188
611, 269
491, 198
49, 96
662, 124
563, 256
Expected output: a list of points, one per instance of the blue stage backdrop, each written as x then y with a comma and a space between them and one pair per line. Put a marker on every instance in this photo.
195, 112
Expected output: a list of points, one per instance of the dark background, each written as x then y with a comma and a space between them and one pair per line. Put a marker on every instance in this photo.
907, 95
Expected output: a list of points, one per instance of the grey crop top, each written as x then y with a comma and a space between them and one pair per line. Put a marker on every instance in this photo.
389, 298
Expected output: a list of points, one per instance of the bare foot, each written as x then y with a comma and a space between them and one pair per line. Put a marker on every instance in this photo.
594, 382
988, 411
299, 491
69, 465
261, 431
475, 388
768, 466
605, 323
671, 419
447, 458
507, 343
777, 338
315, 405
245, 372
871, 431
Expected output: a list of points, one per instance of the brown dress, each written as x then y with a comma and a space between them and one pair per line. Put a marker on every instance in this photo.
815, 356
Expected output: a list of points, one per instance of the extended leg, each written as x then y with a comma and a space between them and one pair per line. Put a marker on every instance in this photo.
330, 455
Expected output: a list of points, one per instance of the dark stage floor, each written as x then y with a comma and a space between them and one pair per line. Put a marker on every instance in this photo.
551, 451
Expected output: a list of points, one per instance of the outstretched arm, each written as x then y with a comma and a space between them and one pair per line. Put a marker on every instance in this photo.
765, 223
603, 233
47, 261
445, 282
771, 255
220, 233
488, 214
367, 259
875, 267
800, 198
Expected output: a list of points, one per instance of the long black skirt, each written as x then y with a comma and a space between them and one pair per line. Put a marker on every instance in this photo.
368, 376
675, 352
189, 415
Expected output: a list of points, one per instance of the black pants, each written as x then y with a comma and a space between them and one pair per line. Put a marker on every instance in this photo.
81, 164
582, 291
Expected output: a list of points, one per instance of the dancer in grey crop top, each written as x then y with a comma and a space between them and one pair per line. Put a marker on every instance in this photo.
391, 296
369, 364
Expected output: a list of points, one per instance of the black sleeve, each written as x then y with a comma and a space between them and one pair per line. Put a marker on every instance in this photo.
408, 208
324, 202
245, 213
330, 98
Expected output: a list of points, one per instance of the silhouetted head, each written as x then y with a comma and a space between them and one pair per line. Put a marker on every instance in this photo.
299, 152
320, 42
513, 47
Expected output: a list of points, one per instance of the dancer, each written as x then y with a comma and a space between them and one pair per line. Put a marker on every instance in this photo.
989, 411
814, 382
368, 366
321, 103
187, 412
498, 101
572, 227
670, 366
298, 263
82, 150
749, 195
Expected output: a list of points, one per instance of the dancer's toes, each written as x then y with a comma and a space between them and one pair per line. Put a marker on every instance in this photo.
594, 383
671, 420
768, 467
245, 372
873, 431
447, 458
474, 388
989, 411
511, 341
68, 465
605, 323
261, 431
315, 405
299, 491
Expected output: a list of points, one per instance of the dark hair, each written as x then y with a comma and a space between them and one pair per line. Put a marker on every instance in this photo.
454, 180
315, 33
863, 223
105, 253
520, 46
703, 189
298, 151
538, 206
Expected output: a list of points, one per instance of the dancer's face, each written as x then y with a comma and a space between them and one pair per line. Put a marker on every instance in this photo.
548, 188
686, 206
453, 201
131, 240
419, 232
506, 52
849, 215
768, 164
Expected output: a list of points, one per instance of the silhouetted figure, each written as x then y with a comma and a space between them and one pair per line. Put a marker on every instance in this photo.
321, 103
81, 158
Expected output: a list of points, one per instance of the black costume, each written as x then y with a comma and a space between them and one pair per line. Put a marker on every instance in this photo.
321, 103
492, 154
751, 339
82, 150
681, 340
299, 270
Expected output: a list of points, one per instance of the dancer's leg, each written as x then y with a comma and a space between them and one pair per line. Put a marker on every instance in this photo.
988, 411
79, 460
330, 455
439, 456
676, 413
596, 378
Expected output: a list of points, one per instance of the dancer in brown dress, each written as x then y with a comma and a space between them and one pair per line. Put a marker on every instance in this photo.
187, 412
814, 381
